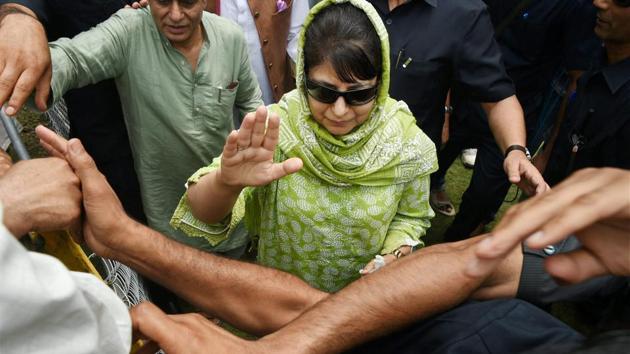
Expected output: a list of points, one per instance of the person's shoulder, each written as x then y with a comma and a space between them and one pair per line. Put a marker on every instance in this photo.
133, 17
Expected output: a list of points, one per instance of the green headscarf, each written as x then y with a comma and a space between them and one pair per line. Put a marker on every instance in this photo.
381, 151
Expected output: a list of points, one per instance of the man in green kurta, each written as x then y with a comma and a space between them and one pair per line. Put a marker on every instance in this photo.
180, 72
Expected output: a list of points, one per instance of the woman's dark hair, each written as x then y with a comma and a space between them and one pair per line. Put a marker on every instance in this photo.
344, 36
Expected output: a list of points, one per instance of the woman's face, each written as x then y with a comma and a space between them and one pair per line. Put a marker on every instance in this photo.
339, 118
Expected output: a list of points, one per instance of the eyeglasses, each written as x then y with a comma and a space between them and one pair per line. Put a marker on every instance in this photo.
622, 3
327, 95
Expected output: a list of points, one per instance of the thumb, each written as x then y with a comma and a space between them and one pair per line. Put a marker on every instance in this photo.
513, 171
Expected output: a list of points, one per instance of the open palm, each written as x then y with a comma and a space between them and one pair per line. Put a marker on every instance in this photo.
247, 158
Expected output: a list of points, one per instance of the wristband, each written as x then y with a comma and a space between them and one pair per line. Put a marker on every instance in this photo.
522, 148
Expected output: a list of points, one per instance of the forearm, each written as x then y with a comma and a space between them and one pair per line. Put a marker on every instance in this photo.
251, 297
506, 122
429, 281
210, 199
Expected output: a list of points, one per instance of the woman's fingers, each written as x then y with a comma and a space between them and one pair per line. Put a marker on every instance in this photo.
273, 132
258, 132
231, 145
245, 131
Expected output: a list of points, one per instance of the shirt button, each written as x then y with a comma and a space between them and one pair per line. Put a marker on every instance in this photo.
197, 109
256, 14
549, 250
270, 65
275, 86
265, 41
388, 21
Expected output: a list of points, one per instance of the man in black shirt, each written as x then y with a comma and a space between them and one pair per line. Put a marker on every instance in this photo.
596, 132
541, 41
94, 111
436, 45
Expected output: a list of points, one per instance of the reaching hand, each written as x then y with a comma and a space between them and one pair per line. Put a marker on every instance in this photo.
524, 174
104, 214
24, 60
247, 158
592, 203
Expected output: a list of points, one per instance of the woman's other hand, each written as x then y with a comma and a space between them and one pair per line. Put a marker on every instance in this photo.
382, 260
247, 158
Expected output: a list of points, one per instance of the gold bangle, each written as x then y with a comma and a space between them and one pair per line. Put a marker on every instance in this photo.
398, 253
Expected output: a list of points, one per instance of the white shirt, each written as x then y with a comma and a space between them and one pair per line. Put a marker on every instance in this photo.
239, 12
45, 308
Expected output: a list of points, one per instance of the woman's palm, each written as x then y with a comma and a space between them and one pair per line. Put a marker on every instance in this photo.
247, 158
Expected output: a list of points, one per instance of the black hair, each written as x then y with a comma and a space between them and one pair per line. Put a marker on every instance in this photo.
344, 36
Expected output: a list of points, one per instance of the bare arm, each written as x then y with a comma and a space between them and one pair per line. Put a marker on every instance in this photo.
428, 282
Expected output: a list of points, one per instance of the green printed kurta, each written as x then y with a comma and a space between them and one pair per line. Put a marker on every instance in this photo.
358, 195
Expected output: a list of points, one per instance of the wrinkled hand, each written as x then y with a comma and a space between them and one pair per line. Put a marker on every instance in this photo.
524, 174
138, 4
188, 333
105, 218
40, 195
24, 61
592, 203
247, 158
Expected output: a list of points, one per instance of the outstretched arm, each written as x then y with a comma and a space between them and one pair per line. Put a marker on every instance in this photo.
428, 282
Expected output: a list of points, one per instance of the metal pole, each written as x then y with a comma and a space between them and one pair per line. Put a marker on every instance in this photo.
11, 128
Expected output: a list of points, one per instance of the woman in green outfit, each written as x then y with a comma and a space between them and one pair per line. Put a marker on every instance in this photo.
334, 179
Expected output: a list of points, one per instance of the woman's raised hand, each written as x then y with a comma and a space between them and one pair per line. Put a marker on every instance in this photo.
247, 158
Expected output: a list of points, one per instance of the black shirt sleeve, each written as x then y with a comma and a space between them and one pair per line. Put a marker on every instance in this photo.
478, 68
39, 7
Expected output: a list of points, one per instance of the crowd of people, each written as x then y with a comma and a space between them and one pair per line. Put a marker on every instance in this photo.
330, 183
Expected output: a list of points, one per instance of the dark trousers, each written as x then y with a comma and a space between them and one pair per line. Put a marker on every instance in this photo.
497, 326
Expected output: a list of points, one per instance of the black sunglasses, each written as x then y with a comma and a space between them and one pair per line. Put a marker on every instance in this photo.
622, 3
327, 95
